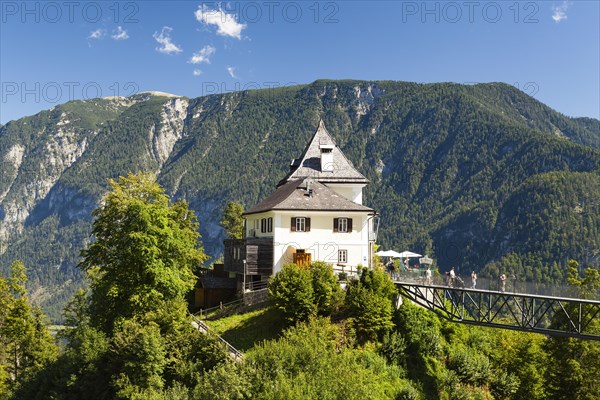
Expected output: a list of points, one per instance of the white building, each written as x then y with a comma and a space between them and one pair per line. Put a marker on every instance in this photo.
315, 214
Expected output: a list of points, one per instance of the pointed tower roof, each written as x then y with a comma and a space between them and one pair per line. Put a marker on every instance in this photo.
309, 164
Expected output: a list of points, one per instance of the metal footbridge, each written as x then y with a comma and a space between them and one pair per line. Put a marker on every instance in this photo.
546, 314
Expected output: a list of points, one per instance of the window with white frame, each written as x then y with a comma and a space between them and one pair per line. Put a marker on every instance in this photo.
342, 225
270, 224
300, 224
342, 256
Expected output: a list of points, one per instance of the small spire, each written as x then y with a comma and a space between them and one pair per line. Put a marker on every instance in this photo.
321, 124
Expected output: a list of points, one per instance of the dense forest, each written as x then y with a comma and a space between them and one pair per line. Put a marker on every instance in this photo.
129, 336
476, 176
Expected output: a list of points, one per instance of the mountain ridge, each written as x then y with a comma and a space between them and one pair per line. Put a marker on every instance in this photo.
443, 159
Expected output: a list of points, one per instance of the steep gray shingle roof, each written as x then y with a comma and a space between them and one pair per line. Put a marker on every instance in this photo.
293, 195
309, 164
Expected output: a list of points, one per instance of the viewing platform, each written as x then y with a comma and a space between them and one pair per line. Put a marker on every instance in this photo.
550, 310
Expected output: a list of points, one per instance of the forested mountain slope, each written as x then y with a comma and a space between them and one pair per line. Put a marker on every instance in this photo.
467, 173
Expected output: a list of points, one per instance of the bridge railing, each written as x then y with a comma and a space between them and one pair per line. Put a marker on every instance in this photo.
512, 285
548, 315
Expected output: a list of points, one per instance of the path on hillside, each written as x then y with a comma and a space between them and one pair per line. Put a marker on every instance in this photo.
206, 330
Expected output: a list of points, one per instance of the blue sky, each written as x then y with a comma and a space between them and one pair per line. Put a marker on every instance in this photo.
53, 52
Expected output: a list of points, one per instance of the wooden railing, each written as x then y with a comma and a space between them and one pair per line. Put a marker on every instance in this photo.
205, 313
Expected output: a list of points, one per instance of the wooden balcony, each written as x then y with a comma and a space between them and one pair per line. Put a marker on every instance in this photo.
258, 253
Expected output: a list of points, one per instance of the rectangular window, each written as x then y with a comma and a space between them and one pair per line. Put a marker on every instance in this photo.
342, 256
300, 224
343, 225
270, 224
263, 225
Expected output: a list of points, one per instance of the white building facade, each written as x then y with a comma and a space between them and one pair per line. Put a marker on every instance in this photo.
315, 214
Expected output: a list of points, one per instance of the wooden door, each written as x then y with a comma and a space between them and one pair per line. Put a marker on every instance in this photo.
302, 259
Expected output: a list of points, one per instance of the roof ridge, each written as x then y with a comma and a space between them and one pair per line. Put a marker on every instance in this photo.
322, 198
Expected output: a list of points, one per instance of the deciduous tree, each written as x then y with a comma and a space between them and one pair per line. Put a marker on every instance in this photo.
26, 345
291, 292
144, 254
369, 301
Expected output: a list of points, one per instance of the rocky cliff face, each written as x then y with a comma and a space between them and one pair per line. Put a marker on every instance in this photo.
59, 147
33, 170
170, 130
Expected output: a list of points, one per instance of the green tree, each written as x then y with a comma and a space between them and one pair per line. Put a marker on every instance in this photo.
141, 354
131, 337
327, 292
144, 254
524, 356
574, 364
291, 292
589, 283
228, 381
26, 345
574, 367
232, 220
316, 360
421, 331
369, 301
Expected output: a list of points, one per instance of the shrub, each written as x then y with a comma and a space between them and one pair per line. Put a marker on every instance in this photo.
328, 294
369, 302
291, 292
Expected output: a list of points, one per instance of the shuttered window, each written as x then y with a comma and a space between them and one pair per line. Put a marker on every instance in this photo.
342, 256
342, 225
300, 224
266, 225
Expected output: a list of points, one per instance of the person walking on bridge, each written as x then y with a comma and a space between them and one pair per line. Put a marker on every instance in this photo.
452, 277
473, 280
502, 282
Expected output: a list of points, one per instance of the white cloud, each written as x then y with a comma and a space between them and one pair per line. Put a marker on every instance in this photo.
120, 34
197, 72
560, 12
227, 24
203, 56
231, 71
164, 39
97, 34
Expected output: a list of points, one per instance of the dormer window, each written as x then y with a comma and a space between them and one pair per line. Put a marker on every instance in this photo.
326, 157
